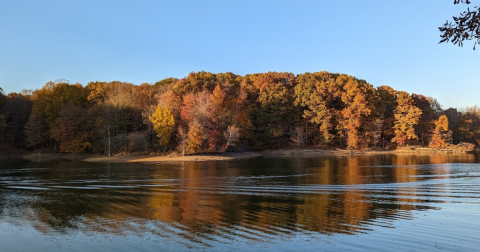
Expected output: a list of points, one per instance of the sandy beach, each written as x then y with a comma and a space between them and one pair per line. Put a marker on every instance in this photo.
227, 156
171, 158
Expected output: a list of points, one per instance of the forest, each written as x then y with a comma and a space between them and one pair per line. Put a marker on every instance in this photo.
224, 112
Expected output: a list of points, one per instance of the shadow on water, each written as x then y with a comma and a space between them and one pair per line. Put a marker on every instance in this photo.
213, 203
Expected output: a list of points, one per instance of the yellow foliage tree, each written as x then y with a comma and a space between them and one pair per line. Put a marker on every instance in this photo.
407, 116
441, 135
163, 123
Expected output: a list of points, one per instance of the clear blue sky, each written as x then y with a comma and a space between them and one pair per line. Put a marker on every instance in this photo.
384, 42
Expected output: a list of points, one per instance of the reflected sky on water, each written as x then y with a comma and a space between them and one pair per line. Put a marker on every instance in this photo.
358, 202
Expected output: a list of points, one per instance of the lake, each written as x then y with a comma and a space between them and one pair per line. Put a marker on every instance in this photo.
361, 203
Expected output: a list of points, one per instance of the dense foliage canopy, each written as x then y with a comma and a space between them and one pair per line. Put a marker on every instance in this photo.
206, 112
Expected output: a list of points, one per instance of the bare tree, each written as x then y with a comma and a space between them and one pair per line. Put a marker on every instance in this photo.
378, 128
298, 136
231, 136
182, 141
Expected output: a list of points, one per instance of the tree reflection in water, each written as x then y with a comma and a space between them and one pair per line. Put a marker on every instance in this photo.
259, 199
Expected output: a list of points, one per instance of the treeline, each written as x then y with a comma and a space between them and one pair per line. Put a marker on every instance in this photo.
207, 112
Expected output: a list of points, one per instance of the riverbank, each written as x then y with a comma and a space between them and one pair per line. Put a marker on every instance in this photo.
320, 152
55, 156
307, 152
228, 156
172, 158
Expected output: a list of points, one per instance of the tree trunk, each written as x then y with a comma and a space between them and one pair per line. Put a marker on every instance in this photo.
108, 130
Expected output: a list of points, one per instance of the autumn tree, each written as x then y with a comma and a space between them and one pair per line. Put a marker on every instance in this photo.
196, 116
320, 96
219, 116
442, 136
406, 117
220, 112
211, 111
171, 100
107, 127
165, 85
425, 126
36, 130
71, 129
357, 107
194, 83
164, 124
195, 137
385, 107
454, 120
60, 96
144, 97
117, 111
241, 104
218, 99
182, 141
17, 110
3, 124
272, 114
468, 126
47, 104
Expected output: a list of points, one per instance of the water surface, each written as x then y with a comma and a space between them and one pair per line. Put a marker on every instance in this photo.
363, 203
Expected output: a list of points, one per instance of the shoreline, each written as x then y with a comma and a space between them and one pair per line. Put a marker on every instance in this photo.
171, 158
307, 152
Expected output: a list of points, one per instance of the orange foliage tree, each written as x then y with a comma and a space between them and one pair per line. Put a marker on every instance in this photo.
357, 108
224, 111
441, 135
